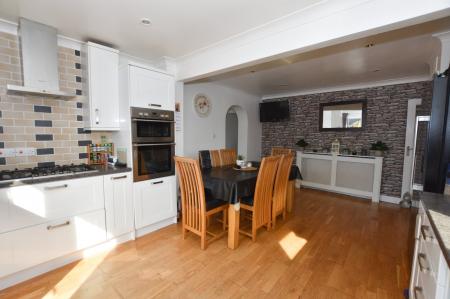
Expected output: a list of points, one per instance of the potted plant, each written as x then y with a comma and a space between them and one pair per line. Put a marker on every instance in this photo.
379, 148
302, 144
240, 160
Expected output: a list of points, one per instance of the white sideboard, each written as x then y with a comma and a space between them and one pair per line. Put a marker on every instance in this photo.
352, 175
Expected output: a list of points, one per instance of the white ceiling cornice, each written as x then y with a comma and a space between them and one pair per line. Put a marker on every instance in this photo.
324, 24
347, 87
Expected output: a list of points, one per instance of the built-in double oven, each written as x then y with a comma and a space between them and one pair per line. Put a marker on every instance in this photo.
153, 138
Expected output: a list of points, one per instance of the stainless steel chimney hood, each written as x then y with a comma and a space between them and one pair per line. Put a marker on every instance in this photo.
39, 61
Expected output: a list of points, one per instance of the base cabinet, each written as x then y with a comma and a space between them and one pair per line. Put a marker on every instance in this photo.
119, 204
430, 277
154, 201
40, 243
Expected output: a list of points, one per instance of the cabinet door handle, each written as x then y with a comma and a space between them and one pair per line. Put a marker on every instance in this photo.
418, 290
119, 177
97, 117
155, 105
56, 187
422, 257
158, 182
50, 227
424, 229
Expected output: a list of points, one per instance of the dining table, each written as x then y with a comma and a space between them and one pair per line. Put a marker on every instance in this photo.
229, 183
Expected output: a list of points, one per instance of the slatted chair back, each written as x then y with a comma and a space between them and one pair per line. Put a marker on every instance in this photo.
264, 192
228, 156
215, 158
204, 158
280, 188
281, 151
193, 203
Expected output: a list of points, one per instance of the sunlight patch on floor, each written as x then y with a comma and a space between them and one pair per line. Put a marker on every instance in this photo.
78, 275
292, 244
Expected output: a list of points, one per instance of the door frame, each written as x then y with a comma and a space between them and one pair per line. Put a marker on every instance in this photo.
409, 149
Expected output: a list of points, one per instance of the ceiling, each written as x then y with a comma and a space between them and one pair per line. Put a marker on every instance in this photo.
402, 54
178, 27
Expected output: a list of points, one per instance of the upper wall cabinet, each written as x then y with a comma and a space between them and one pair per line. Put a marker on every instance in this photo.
102, 80
151, 89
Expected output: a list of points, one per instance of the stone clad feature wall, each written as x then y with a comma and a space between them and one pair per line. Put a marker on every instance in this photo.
386, 120
54, 127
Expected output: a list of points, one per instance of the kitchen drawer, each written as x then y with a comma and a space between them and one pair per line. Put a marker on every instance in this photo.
44, 242
6, 255
427, 285
39, 203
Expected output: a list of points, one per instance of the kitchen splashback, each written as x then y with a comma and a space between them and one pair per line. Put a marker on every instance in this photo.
54, 127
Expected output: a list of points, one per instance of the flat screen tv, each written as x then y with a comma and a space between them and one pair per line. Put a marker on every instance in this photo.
273, 111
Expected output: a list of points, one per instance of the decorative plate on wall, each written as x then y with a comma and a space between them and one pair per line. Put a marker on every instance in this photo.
202, 105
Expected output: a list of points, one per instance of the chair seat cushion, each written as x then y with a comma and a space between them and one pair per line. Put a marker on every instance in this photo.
247, 200
211, 202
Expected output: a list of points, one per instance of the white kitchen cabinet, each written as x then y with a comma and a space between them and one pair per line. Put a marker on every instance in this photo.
6, 255
151, 89
39, 203
102, 73
119, 204
154, 200
5, 221
41, 243
430, 277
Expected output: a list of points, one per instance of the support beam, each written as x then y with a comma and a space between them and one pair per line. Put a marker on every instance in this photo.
323, 24
444, 52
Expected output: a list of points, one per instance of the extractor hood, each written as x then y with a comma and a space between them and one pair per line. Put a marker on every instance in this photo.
39, 51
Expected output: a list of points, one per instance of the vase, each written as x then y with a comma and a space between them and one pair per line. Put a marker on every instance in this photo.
378, 153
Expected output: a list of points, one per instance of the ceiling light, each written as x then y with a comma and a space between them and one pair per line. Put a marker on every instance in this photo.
146, 22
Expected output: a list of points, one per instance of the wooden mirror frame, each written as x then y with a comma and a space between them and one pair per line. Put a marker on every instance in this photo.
363, 120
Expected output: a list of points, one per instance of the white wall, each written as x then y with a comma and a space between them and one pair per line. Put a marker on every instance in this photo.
209, 132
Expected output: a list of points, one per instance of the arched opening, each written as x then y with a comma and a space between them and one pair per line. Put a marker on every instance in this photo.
236, 129
231, 129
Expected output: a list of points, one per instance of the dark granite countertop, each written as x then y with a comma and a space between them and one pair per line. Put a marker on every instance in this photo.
101, 170
437, 207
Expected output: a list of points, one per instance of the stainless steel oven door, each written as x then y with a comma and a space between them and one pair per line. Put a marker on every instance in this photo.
152, 131
153, 160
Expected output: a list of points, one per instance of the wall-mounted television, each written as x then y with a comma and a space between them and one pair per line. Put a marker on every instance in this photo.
273, 111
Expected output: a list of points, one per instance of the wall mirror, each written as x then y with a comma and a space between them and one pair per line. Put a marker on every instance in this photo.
343, 116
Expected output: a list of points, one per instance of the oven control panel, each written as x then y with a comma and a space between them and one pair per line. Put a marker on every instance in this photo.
151, 114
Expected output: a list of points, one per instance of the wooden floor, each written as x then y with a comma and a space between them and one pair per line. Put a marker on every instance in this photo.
332, 246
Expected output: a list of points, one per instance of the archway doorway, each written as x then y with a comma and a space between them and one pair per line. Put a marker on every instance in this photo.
231, 129
236, 130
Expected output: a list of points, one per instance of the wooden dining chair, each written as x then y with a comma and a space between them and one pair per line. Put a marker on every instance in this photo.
280, 151
215, 158
204, 158
195, 207
228, 156
260, 204
281, 188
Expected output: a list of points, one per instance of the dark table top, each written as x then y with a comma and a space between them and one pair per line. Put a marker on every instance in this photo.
229, 184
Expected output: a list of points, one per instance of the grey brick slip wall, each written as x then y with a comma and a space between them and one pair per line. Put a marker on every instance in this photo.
53, 127
386, 121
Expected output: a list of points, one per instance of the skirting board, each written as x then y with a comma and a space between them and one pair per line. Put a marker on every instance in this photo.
390, 199
383, 198
151, 228
29, 273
